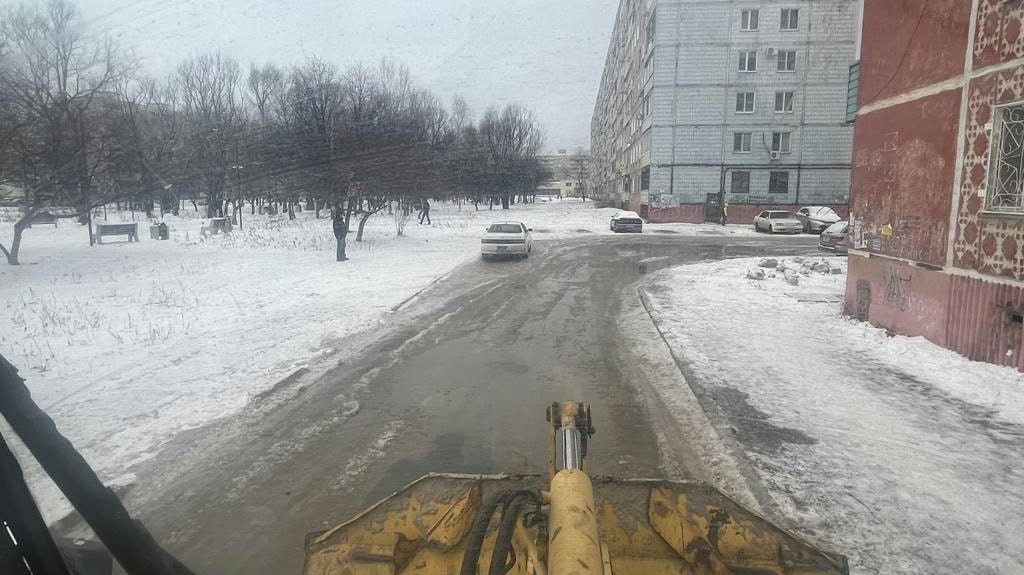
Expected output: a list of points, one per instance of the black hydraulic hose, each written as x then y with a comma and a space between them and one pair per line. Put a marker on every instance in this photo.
476, 534
500, 560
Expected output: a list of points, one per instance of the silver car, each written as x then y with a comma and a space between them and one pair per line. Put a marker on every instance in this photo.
627, 222
817, 218
834, 238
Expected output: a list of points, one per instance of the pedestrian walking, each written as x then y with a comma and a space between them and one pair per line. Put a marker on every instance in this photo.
340, 231
725, 212
425, 211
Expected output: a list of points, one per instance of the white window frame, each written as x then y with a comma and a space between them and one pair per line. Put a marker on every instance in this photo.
782, 142
786, 17
750, 20
781, 97
782, 64
742, 97
1006, 160
746, 138
748, 57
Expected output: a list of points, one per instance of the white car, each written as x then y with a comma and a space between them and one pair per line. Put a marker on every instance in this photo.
817, 218
627, 222
778, 221
506, 239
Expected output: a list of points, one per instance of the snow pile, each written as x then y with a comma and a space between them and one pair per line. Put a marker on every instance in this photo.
902, 455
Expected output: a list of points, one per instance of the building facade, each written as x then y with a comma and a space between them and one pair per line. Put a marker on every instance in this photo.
937, 195
570, 174
744, 101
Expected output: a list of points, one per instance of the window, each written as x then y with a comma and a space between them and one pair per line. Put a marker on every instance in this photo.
568, 184
778, 183
1006, 178
741, 142
740, 182
787, 61
748, 20
645, 178
745, 103
783, 102
748, 61
790, 19
780, 142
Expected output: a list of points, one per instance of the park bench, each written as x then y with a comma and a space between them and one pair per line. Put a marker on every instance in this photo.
130, 230
43, 218
217, 226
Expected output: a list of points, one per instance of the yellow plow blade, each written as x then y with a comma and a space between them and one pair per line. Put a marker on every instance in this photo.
646, 527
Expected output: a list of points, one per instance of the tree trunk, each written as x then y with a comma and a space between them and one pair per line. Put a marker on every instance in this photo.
19, 228
362, 224
291, 209
504, 201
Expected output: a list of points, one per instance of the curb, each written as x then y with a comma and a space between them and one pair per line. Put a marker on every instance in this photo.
710, 408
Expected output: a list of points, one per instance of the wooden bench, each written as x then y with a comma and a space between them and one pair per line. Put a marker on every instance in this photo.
44, 219
130, 230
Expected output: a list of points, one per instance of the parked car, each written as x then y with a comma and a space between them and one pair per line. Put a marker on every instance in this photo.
834, 238
817, 218
627, 222
777, 221
506, 239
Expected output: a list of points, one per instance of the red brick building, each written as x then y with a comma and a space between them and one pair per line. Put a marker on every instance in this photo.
937, 189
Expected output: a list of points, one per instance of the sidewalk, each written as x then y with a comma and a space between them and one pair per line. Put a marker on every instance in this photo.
904, 456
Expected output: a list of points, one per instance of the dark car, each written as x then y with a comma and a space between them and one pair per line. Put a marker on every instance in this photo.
833, 238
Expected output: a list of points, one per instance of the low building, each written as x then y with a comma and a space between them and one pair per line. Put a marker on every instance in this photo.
937, 194
569, 174
725, 100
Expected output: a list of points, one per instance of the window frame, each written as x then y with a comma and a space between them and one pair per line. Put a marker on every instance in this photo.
782, 137
772, 179
784, 22
996, 155
732, 182
750, 16
792, 101
740, 137
746, 58
752, 99
779, 60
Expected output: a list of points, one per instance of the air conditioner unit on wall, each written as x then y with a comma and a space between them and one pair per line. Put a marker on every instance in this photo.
774, 155
771, 51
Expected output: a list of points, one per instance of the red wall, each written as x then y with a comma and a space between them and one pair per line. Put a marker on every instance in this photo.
903, 173
906, 48
968, 315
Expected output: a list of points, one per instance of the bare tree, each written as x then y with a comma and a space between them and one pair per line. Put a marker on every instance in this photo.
209, 94
580, 166
513, 138
60, 81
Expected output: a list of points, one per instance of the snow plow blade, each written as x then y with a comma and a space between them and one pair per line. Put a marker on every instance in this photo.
645, 526
562, 523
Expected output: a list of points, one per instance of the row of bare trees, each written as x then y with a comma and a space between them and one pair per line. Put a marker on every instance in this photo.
82, 126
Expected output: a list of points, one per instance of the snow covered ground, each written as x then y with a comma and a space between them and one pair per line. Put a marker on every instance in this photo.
128, 344
902, 455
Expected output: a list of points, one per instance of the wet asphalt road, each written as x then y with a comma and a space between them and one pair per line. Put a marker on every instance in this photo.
457, 383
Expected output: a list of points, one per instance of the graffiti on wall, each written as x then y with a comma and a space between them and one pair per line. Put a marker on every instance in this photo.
897, 287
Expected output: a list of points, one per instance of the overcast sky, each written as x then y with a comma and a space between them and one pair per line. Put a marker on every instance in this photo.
547, 55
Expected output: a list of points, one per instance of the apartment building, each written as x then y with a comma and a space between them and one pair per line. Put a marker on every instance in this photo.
739, 101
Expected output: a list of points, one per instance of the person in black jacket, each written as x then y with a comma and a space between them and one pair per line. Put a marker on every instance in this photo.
340, 231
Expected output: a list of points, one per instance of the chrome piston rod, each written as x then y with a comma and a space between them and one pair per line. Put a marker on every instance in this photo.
568, 452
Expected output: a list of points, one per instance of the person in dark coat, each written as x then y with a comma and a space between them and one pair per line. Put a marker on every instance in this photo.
425, 211
340, 231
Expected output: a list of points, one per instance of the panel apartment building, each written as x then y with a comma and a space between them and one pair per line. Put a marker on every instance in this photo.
742, 101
